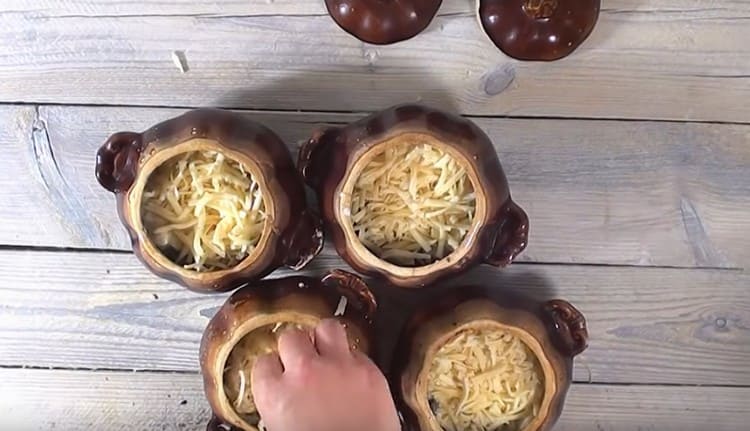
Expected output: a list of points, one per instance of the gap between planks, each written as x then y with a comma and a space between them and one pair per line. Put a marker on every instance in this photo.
109, 312
321, 112
194, 372
84, 250
675, 58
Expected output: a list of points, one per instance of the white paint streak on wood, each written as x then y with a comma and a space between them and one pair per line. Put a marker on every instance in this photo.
38, 203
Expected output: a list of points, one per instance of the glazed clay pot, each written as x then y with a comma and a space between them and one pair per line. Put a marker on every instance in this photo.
383, 22
554, 331
303, 301
332, 158
291, 236
538, 29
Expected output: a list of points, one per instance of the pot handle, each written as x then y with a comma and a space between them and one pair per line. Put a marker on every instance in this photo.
305, 241
511, 237
354, 289
313, 160
569, 326
117, 161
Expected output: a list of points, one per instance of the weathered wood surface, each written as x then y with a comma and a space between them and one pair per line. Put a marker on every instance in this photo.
102, 310
30, 212
243, 8
224, 8
683, 60
70, 401
641, 193
609, 192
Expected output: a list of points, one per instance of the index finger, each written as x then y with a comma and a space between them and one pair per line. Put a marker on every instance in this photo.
264, 377
295, 348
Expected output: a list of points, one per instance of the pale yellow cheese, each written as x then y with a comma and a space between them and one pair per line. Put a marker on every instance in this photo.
206, 208
485, 380
412, 204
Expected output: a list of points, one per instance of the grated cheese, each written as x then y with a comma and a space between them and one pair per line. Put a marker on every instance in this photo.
341, 307
485, 380
204, 209
412, 204
239, 365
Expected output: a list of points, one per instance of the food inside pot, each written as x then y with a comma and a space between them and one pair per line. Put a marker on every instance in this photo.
239, 365
203, 210
486, 380
412, 204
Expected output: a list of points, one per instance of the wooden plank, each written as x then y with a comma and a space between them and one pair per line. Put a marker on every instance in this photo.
32, 187
101, 310
681, 61
612, 192
77, 400
234, 8
73, 400
223, 8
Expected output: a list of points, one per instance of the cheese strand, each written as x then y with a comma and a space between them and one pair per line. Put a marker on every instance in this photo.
204, 209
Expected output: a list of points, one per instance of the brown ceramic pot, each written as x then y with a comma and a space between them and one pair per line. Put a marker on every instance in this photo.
331, 160
383, 22
543, 30
554, 331
292, 235
299, 300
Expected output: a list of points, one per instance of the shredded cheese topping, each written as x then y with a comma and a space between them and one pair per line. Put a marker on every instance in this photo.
204, 210
485, 380
412, 204
239, 366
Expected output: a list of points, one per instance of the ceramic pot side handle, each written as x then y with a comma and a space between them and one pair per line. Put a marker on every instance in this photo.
512, 236
354, 289
569, 326
305, 241
117, 161
313, 155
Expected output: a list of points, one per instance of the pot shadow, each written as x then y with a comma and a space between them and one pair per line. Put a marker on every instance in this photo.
343, 92
296, 125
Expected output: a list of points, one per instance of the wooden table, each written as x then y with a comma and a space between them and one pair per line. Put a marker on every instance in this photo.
632, 158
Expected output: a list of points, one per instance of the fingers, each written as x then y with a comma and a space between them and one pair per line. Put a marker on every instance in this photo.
330, 339
267, 367
295, 348
264, 377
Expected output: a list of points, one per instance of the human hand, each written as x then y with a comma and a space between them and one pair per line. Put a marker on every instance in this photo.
321, 385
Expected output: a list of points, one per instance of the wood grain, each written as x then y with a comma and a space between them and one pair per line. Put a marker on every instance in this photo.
33, 187
71, 400
610, 192
102, 310
244, 8
646, 59
223, 8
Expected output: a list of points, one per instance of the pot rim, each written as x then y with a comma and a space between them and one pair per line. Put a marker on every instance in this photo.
343, 197
545, 366
134, 199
